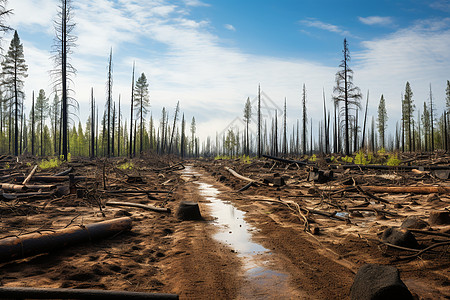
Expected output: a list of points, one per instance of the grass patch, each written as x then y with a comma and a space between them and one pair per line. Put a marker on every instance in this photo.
393, 160
48, 164
126, 166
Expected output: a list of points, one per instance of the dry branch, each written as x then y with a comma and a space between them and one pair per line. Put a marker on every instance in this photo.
235, 174
408, 189
146, 207
287, 161
135, 192
29, 175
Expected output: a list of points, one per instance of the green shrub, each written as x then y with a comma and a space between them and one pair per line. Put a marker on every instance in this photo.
347, 159
246, 159
126, 166
48, 164
393, 160
360, 158
313, 158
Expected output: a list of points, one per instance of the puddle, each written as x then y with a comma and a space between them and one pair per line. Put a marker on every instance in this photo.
261, 282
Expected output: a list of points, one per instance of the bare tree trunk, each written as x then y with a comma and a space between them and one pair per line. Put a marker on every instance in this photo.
131, 112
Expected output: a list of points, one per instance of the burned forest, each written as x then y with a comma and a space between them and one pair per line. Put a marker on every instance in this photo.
123, 195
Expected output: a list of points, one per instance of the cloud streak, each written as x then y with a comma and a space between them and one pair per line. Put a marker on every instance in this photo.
376, 20
314, 23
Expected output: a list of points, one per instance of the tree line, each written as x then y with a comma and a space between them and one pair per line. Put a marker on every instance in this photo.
50, 127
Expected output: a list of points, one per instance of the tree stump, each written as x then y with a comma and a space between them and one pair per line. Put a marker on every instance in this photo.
189, 211
378, 282
439, 218
400, 237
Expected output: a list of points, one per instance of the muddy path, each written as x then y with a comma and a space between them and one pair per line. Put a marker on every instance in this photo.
268, 260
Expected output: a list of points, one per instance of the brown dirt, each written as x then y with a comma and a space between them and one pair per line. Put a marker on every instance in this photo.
162, 254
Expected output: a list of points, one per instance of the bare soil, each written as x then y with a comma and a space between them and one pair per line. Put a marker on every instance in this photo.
165, 255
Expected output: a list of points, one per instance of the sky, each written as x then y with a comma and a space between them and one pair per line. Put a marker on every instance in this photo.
211, 55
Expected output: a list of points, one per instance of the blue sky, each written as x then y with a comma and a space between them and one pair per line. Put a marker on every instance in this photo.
211, 55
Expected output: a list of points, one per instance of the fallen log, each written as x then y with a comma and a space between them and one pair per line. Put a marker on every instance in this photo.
50, 178
17, 247
236, 174
135, 192
29, 175
64, 173
408, 189
287, 161
31, 195
13, 187
146, 207
42, 293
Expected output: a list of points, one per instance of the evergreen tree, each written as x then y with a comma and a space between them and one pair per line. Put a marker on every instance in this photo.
347, 93
141, 104
193, 129
408, 110
14, 71
382, 120
41, 111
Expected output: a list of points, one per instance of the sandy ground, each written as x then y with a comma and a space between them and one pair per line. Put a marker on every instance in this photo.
162, 254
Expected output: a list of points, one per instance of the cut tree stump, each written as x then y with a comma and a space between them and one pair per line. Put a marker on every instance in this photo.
189, 211
378, 282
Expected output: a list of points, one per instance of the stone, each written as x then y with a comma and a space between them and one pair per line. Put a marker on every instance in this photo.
399, 237
379, 282
414, 222
439, 217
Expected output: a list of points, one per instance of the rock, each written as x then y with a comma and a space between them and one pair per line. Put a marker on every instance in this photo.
188, 211
278, 181
414, 223
378, 282
439, 218
399, 237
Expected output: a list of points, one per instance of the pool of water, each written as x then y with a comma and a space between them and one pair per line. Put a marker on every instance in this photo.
261, 282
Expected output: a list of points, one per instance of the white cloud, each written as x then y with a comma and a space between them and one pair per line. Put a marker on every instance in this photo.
184, 61
195, 3
419, 54
230, 27
33, 15
376, 20
443, 5
311, 22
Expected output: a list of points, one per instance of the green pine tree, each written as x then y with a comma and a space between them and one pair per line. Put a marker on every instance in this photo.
14, 71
